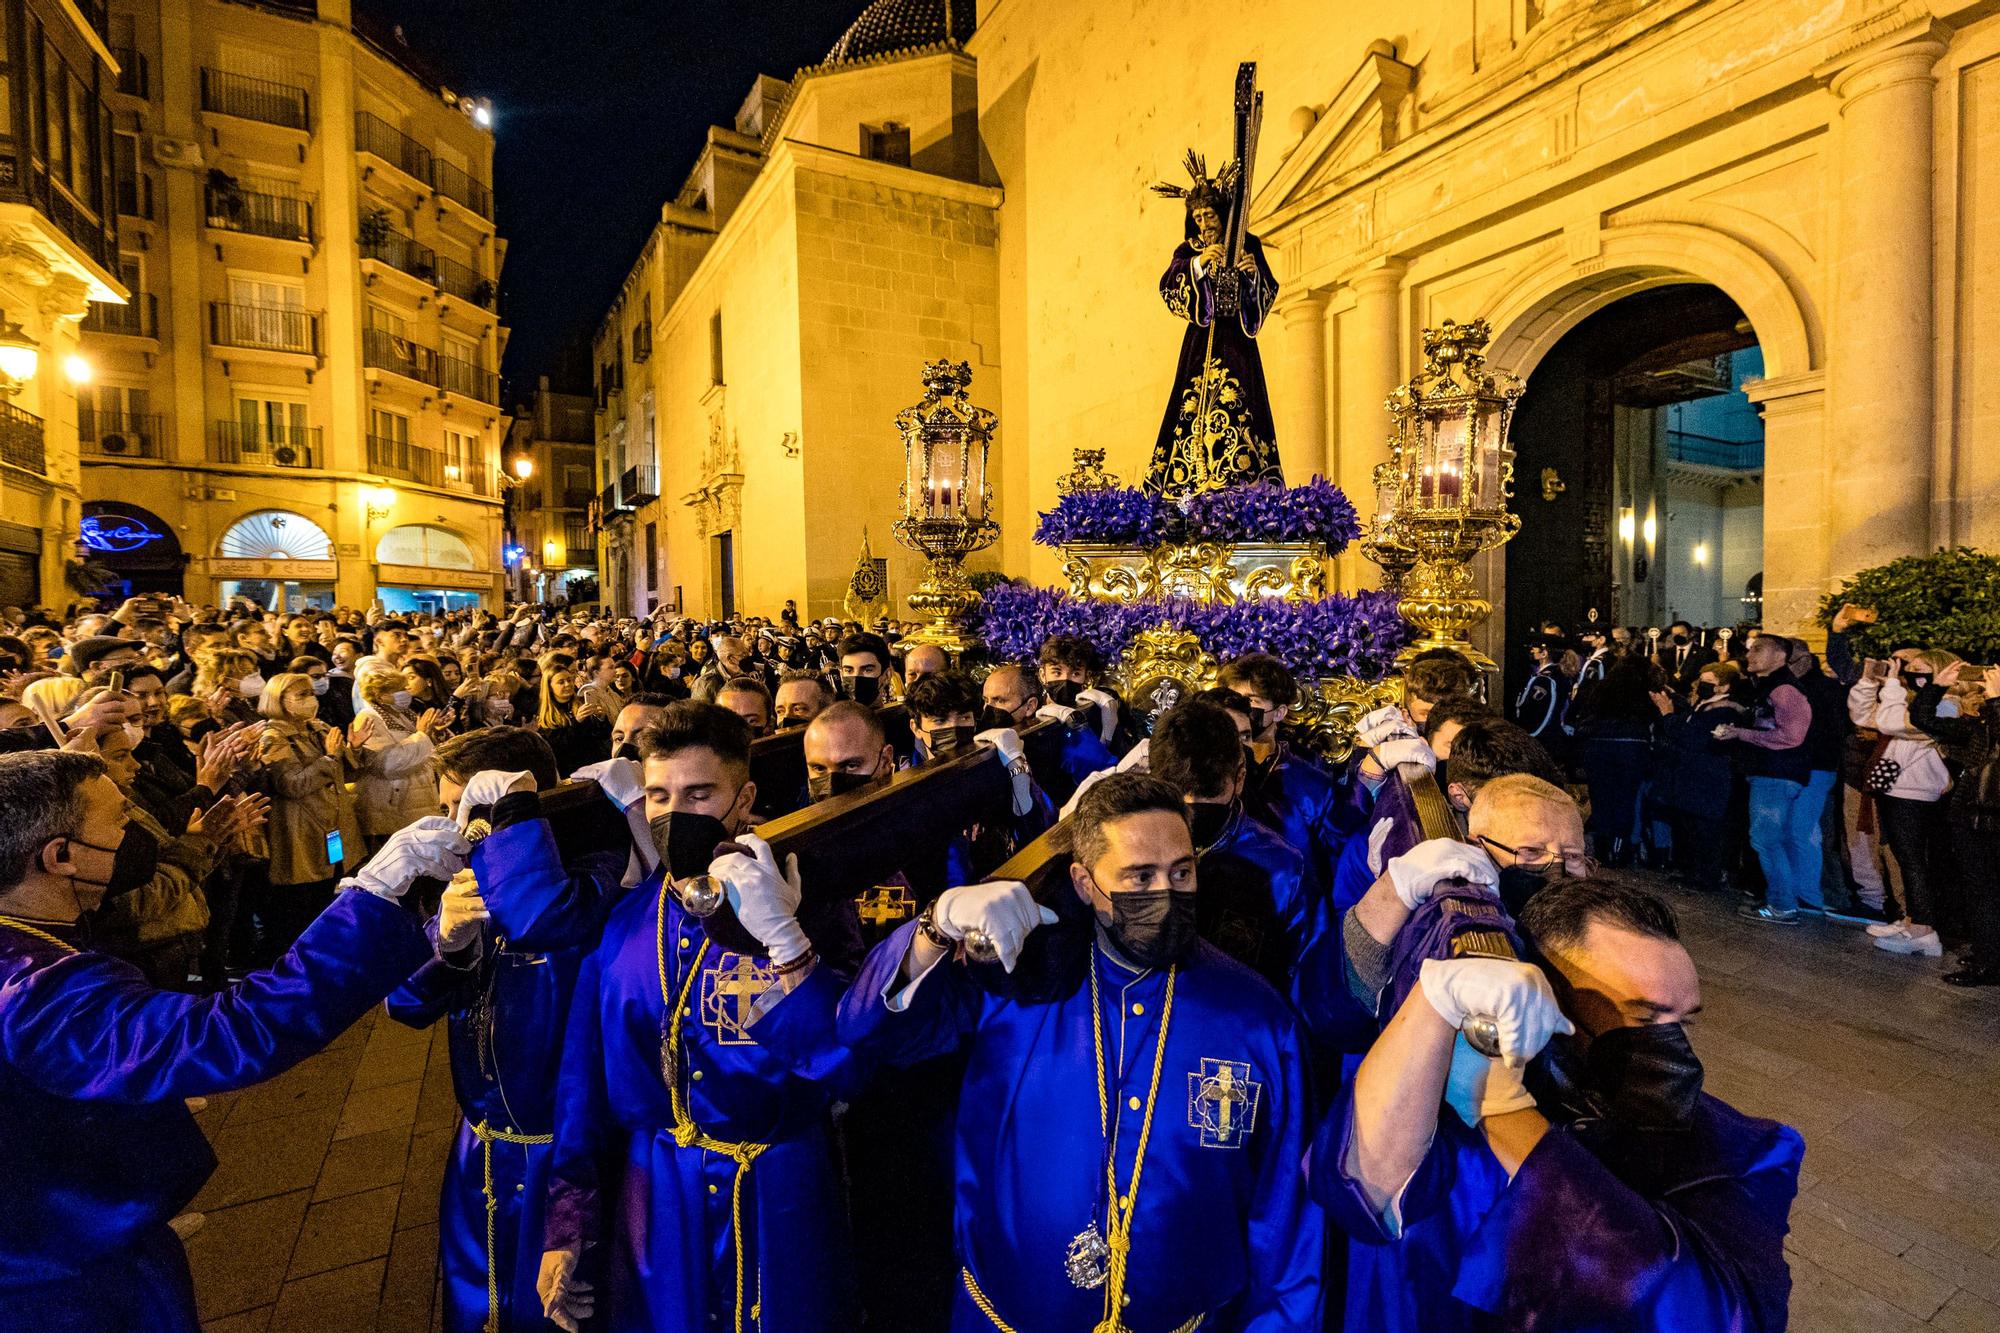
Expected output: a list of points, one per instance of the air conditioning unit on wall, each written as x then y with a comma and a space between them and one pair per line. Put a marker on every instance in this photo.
177, 152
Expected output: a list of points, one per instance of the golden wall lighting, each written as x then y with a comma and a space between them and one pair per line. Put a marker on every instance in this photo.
945, 499
524, 467
379, 500
20, 356
1444, 495
77, 369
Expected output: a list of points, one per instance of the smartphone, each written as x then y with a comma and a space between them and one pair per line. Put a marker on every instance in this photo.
117, 682
335, 853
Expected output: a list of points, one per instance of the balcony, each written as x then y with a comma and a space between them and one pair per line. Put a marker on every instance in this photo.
467, 380
263, 328
138, 318
576, 499
119, 434
134, 73
265, 445
642, 344
403, 254
21, 440
383, 350
457, 184
426, 467
263, 100
579, 537
374, 135
284, 217
465, 283
640, 485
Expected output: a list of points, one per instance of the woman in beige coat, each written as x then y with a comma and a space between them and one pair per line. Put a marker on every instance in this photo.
391, 751
305, 774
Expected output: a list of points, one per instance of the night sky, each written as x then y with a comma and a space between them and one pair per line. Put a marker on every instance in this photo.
600, 107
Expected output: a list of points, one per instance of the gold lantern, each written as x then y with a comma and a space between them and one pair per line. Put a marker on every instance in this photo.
1443, 498
945, 499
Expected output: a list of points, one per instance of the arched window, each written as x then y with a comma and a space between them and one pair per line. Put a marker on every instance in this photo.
425, 547
276, 534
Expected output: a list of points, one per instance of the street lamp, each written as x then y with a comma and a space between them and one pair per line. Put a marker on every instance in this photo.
524, 467
379, 501
1453, 472
20, 355
945, 498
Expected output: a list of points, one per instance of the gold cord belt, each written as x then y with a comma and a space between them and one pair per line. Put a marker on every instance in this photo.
488, 1136
41, 935
986, 1307
686, 1133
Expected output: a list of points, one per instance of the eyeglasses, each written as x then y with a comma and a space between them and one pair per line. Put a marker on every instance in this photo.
1579, 865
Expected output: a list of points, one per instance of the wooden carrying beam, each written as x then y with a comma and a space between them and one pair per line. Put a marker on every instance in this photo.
778, 762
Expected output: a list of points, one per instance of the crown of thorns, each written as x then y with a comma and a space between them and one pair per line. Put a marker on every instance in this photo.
1202, 188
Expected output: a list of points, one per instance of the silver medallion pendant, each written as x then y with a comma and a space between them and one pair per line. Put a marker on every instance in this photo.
1088, 1259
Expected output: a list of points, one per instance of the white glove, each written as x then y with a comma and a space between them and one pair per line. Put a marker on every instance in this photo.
430, 848
1055, 712
1479, 1087
766, 902
1076, 797
460, 911
1516, 996
487, 787
619, 779
1007, 741
1003, 911
1107, 711
1138, 759
1417, 872
1406, 750
1378, 837
1384, 724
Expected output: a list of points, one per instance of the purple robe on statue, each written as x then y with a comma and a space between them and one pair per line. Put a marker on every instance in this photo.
101, 1149
1217, 429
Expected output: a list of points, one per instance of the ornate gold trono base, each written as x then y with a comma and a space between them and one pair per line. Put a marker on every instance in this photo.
1443, 602
944, 597
1163, 667
1217, 573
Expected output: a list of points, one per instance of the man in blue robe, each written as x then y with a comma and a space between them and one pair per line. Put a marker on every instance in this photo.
96, 1064
508, 949
692, 1179
1603, 1189
1184, 1204
1288, 793
1012, 695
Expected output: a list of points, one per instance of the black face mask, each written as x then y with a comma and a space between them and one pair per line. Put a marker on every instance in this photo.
629, 750
865, 690
1207, 822
686, 842
1063, 692
1704, 689
995, 719
950, 742
828, 785
1153, 927
1680, 637
1256, 721
1914, 681
787, 723
136, 862
1645, 1077
1519, 883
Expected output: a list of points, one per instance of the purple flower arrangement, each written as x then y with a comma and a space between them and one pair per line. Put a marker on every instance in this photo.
1263, 512
1342, 635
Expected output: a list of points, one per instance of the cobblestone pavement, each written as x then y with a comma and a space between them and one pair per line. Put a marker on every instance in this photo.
323, 1213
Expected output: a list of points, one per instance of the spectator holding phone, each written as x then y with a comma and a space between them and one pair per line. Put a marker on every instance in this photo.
1907, 780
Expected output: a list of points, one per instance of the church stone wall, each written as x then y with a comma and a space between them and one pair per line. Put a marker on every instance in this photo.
895, 269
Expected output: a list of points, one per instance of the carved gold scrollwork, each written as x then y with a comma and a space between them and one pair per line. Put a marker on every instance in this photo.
1161, 667
1215, 573
1076, 569
1329, 711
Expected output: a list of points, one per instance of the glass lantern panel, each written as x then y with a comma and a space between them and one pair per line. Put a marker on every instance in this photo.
1441, 480
975, 477
1492, 453
946, 484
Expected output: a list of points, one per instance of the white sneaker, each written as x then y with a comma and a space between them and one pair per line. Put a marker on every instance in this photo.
1885, 928
1910, 941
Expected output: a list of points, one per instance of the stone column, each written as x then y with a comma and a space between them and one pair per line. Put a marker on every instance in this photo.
1298, 386
1881, 323
1798, 538
1371, 365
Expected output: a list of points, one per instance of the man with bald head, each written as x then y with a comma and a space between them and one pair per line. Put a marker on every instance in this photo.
801, 697
924, 659
1012, 695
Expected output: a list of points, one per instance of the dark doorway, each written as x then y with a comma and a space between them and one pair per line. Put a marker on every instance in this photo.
725, 574
1639, 470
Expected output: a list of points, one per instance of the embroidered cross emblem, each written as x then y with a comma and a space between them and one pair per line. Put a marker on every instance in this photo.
1222, 1103
729, 996
885, 904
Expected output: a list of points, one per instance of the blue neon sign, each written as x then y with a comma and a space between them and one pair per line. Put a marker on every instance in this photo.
115, 533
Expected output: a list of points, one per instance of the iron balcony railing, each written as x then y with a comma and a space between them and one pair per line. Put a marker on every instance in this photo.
265, 445
1708, 451
465, 283
400, 458
578, 535
468, 380
21, 439
119, 434
288, 217
372, 134
256, 99
134, 73
384, 350
456, 183
639, 485
137, 318
403, 254
267, 328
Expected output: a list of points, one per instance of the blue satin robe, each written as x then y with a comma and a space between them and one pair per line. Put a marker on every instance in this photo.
1569, 1244
655, 1220
1082, 754
507, 1002
1222, 1230
1299, 802
1260, 903
100, 1147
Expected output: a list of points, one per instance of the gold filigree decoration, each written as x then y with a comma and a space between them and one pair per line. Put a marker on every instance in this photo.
1179, 296
1214, 573
1162, 667
1329, 711
1086, 473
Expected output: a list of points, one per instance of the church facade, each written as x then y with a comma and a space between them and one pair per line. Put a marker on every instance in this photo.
1818, 163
